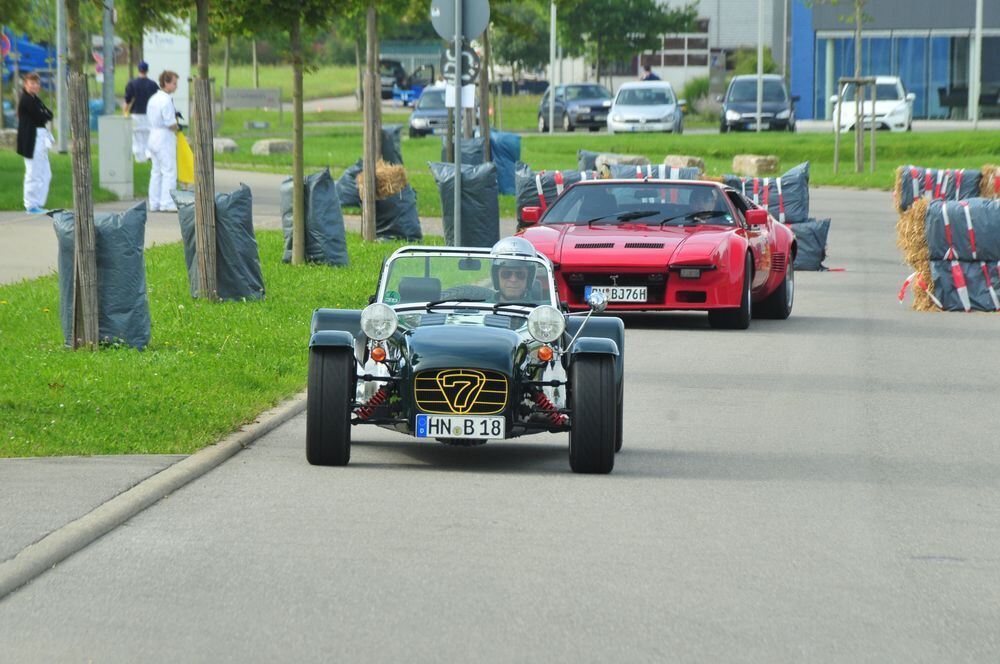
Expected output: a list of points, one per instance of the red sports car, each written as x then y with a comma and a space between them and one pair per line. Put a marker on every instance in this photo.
667, 245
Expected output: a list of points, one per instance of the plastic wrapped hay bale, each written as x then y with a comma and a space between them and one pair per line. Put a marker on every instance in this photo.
326, 240
480, 203
914, 182
392, 135
911, 239
811, 238
347, 186
389, 179
505, 150
587, 160
658, 171
123, 305
542, 188
786, 196
989, 183
472, 151
396, 216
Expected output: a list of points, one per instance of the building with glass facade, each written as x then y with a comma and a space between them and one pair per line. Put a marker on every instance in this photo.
924, 42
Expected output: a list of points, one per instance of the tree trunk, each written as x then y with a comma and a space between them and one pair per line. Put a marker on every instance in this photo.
85, 306
378, 83
298, 167
229, 45
204, 166
484, 96
359, 91
131, 60
256, 69
372, 100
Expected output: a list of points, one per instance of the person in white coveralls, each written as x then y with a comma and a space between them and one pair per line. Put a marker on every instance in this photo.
33, 143
162, 118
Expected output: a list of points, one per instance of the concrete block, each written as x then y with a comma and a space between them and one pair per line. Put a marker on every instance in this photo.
607, 159
684, 161
225, 145
272, 146
755, 164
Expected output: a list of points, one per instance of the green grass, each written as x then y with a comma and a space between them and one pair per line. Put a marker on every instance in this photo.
327, 81
209, 367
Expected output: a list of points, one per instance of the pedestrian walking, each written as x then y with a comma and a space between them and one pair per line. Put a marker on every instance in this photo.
138, 91
648, 74
33, 143
162, 147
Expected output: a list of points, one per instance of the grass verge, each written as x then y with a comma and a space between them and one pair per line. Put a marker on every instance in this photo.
209, 368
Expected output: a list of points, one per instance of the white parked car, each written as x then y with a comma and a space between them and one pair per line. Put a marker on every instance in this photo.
646, 106
893, 106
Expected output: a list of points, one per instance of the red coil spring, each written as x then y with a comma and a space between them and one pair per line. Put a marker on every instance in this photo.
379, 398
554, 415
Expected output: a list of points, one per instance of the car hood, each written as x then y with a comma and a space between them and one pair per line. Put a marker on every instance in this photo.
629, 245
648, 112
462, 344
429, 113
751, 106
596, 101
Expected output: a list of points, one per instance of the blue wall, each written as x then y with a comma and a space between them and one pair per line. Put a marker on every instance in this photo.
802, 59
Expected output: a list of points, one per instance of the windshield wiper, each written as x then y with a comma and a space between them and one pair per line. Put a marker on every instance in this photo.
436, 303
701, 215
623, 216
500, 305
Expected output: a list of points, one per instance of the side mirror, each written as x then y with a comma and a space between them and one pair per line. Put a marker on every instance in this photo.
718, 98
531, 214
833, 99
910, 96
756, 217
598, 301
371, 299
682, 103
796, 99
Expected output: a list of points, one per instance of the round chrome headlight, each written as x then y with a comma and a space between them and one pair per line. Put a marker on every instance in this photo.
378, 321
546, 323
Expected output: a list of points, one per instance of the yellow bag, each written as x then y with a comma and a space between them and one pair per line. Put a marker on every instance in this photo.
185, 160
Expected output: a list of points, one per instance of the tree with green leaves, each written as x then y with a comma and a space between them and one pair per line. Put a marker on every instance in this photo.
522, 35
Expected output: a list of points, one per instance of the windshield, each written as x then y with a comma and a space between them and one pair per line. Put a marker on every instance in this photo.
885, 92
645, 97
420, 278
642, 203
745, 90
431, 99
574, 92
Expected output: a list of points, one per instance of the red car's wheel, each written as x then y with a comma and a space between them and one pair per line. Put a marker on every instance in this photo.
778, 304
738, 318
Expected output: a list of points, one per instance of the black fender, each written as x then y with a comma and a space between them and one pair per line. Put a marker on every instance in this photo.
332, 339
605, 327
347, 320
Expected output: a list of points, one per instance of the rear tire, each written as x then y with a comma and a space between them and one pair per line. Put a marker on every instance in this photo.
592, 438
738, 318
778, 305
332, 382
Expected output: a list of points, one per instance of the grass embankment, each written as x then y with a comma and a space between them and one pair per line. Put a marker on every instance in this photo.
339, 147
209, 367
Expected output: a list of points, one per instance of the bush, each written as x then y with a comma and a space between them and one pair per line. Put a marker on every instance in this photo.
745, 62
695, 89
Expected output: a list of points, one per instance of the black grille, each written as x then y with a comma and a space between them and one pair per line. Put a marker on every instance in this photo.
460, 391
644, 245
595, 245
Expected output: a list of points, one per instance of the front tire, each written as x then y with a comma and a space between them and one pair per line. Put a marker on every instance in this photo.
778, 305
332, 380
541, 124
738, 318
566, 124
620, 416
592, 438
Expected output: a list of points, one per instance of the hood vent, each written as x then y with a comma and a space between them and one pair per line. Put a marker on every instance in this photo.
595, 245
778, 261
644, 245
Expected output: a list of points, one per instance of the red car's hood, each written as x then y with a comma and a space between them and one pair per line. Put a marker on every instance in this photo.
628, 245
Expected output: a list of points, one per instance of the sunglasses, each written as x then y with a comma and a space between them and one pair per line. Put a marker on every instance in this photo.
508, 274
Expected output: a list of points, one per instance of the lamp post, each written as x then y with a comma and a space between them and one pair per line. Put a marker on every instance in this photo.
977, 66
760, 60
552, 67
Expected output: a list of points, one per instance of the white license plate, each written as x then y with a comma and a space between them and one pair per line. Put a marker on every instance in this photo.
461, 426
600, 118
618, 293
763, 125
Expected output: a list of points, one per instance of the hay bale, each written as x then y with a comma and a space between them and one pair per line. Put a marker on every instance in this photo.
897, 190
684, 161
755, 164
390, 179
911, 238
989, 183
607, 159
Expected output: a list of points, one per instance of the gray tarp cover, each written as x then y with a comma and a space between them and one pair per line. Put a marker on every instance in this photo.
347, 186
480, 203
237, 260
472, 151
586, 160
527, 187
985, 214
975, 282
794, 196
391, 141
661, 171
937, 183
325, 239
123, 306
396, 216
505, 149
810, 237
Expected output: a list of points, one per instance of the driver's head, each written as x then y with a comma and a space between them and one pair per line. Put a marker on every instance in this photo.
513, 281
702, 199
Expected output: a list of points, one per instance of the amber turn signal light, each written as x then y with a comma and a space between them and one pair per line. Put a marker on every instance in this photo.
378, 354
545, 353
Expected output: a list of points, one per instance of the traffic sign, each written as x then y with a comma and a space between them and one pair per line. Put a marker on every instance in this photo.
475, 18
4, 45
470, 65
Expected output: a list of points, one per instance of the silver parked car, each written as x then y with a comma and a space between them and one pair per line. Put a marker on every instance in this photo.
646, 106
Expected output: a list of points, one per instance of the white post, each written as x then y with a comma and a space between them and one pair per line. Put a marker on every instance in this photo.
977, 66
760, 60
108, 92
552, 67
784, 42
457, 216
62, 94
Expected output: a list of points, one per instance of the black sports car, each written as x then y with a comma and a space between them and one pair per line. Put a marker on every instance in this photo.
466, 345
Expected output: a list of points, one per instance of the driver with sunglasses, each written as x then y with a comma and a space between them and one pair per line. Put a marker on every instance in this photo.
512, 279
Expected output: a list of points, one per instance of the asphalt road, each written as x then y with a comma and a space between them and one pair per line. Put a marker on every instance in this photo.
818, 489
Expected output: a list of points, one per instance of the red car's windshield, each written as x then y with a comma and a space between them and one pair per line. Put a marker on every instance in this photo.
640, 202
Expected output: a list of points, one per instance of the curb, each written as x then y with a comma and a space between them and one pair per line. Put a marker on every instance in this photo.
60, 544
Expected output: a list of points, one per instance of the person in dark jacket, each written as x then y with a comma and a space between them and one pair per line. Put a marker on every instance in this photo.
137, 94
33, 143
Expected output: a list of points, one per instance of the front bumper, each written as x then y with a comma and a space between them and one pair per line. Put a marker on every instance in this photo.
768, 124
882, 122
666, 290
636, 127
590, 119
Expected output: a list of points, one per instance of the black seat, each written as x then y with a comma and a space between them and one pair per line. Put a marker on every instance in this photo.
419, 289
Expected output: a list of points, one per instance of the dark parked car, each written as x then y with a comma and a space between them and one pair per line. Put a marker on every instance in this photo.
429, 113
392, 73
577, 105
739, 106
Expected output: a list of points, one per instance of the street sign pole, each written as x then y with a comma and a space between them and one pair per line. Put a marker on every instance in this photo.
457, 215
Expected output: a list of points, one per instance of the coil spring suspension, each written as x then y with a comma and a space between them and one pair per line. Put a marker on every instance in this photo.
368, 409
545, 404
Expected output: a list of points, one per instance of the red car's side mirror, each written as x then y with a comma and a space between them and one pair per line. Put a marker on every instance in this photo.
531, 215
756, 217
